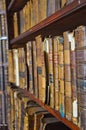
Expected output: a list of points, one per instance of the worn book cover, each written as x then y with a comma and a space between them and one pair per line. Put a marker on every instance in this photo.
11, 67
42, 10
46, 59
43, 86
34, 54
52, 6
51, 74
30, 66
4, 52
22, 68
39, 64
16, 67
15, 19
55, 69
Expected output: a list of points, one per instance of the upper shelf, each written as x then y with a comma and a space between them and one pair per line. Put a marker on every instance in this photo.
16, 5
67, 18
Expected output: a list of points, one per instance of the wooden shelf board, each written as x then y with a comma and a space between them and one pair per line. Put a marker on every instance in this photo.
53, 112
16, 5
67, 18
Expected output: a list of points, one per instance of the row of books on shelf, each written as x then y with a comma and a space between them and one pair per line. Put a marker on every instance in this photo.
3, 25
53, 69
24, 113
36, 11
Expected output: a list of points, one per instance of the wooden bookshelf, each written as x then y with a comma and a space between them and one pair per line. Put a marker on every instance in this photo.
53, 112
69, 17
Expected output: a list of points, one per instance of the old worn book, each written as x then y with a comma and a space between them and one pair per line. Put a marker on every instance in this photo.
39, 64
32, 116
62, 104
42, 10
80, 36
11, 67
68, 108
5, 51
16, 67
46, 58
28, 16
15, 19
2, 5
51, 74
52, 6
32, 13
22, 68
55, 69
48, 122
34, 54
3, 25
30, 67
22, 20
43, 85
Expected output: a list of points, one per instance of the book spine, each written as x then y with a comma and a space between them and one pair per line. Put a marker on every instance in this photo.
16, 67
34, 68
51, 75
39, 64
43, 86
55, 68
29, 50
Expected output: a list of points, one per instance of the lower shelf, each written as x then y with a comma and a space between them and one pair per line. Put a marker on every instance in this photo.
70, 124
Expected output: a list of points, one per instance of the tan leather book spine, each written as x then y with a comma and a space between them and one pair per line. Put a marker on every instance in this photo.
39, 63
55, 68
29, 58
51, 75
16, 67
11, 67
34, 68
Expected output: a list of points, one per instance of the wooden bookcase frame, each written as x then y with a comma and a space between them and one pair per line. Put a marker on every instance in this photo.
68, 18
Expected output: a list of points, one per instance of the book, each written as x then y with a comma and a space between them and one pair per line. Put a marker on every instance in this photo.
2, 5
48, 122
16, 67
3, 25
5, 52
11, 67
55, 69
62, 104
34, 54
30, 67
51, 74
52, 6
46, 58
15, 19
42, 10
39, 63
80, 33
22, 68
43, 80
